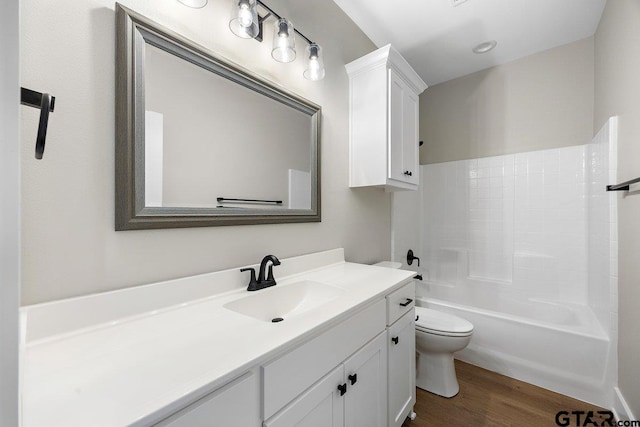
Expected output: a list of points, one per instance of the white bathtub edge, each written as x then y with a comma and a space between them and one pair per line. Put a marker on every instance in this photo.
512, 367
621, 409
582, 383
598, 336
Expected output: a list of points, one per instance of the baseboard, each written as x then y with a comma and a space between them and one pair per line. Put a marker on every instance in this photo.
621, 410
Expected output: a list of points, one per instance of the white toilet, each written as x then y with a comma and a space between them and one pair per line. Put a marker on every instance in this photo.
438, 336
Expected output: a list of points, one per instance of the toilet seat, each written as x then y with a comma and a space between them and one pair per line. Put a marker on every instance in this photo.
440, 323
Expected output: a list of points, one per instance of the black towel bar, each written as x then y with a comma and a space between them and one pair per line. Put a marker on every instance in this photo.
623, 186
224, 199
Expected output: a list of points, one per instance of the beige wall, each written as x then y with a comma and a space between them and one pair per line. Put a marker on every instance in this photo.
617, 92
69, 243
538, 102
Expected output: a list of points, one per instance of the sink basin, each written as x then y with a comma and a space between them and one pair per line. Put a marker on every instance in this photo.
284, 302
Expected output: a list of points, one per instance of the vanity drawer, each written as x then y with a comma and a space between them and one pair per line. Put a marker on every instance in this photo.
235, 404
287, 377
400, 302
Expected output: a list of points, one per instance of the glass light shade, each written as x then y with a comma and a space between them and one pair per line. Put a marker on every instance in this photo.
284, 43
196, 4
315, 65
244, 19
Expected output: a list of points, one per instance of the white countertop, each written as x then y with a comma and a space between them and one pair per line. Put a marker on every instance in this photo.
140, 368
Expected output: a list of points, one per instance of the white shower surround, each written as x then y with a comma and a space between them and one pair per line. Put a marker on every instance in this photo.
525, 247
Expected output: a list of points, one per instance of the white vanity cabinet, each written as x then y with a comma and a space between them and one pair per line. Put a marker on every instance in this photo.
358, 373
401, 354
372, 387
366, 381
351, 395
383, 118
402, 369
321, 405
327, 364
236, 404
342, 370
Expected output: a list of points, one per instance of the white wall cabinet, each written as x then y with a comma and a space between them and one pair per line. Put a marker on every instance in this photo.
383, 119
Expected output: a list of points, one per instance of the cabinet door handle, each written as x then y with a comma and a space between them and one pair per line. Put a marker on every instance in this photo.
395, 340
342, 388
407, 302
408, 173
353, 378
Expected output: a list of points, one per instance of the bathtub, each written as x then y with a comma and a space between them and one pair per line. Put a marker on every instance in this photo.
556, 346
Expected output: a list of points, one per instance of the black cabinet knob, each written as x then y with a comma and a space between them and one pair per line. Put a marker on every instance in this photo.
353, 378
409, 173
342, 388
395, 340
407, 302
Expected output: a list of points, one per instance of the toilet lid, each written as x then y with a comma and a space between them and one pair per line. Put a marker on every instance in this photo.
438, 321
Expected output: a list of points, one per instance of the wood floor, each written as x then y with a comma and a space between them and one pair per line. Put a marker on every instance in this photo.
490, 399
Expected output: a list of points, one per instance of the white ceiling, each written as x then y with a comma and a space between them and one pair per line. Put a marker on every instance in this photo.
436, 38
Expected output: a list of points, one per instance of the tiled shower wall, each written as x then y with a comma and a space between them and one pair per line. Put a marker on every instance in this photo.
602, 214
538, 223
517, 220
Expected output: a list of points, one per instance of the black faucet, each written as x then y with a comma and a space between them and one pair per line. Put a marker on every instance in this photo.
262, 282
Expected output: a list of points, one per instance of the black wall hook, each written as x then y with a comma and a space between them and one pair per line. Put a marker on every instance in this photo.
46, 104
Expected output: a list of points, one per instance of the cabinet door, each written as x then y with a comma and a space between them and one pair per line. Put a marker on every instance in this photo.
410, 161
401, 343
403, 131
366, 378
396, 127
320, 406
236, 404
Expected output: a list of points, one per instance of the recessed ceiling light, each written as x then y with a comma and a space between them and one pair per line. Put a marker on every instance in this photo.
485, 47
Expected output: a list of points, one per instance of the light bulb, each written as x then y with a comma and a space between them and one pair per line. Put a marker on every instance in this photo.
284, 48
244, 16
282, 41
315, 67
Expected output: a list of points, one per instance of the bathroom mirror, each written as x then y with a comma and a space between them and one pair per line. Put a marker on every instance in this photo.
202, 142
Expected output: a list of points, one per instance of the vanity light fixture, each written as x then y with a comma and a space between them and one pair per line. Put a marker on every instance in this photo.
246, 23
196, 4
